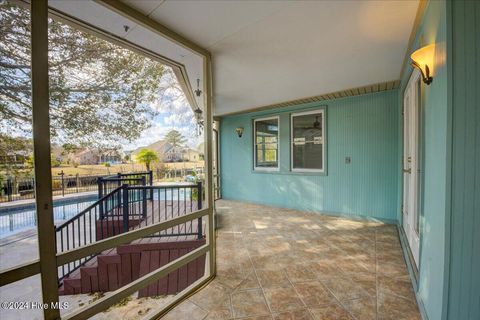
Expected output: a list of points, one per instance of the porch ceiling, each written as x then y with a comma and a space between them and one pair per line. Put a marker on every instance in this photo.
266, 52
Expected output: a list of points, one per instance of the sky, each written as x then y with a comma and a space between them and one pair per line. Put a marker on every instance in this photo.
174, 112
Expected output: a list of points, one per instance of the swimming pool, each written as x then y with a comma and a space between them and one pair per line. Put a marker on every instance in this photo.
13, 220
21, 219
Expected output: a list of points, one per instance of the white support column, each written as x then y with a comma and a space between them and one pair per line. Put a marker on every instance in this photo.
41, 151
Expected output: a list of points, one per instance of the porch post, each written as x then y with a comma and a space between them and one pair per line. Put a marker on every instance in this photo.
100, 194
125, 213
207, 71
199, 207
144, 197
41, 151
150, 182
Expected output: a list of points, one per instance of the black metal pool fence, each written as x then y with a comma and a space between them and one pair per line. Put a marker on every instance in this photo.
14, 189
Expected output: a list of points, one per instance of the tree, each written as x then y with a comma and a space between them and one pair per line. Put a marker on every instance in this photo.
147, 156
100, 93
30, 162
175, 138
11, 147
68, 148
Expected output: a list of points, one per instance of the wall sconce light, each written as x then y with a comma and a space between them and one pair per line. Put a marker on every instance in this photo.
197, 113
198, 92
239, 131
423, 60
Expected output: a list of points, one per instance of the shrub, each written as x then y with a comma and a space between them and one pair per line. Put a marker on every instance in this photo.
56, 184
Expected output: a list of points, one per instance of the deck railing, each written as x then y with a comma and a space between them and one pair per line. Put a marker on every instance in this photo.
163, 203
128, 207
81, 229
107, 183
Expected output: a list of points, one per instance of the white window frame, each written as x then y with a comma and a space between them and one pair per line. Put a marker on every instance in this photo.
324, 140
277, 168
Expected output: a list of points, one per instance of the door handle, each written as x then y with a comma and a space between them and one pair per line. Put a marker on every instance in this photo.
407, 171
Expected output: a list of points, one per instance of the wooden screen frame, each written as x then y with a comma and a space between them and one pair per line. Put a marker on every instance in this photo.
49, 260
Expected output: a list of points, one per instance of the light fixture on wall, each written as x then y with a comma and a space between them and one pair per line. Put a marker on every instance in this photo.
197, 113
423, 60
239, 131
198, 92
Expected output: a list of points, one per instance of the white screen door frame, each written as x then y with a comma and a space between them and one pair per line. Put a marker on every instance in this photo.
411, 190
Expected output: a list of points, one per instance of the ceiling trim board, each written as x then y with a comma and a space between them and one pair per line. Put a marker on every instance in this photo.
184, 82
155, 26
154, 9
372, 88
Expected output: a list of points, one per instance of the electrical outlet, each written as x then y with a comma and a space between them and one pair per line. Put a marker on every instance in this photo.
348, 160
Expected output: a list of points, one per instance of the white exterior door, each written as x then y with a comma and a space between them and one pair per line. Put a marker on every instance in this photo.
411, 108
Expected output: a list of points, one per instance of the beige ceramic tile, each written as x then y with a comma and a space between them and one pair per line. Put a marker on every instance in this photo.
325, 269
331, 312
314, 293
257, 318
400, 287
212, 296
345, 289
269, 278
250, 282
186, 310
302, 314
219, 314
362, 309
249, 303
282, 298
368, 282
298, 273
392, 270
396, 308
325, 257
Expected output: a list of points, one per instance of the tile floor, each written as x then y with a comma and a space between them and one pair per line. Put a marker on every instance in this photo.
285, 264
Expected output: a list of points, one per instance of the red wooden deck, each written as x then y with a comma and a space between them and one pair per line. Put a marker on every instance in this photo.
119, 266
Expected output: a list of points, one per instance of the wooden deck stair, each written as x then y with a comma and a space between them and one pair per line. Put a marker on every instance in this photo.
126, 263
119, 266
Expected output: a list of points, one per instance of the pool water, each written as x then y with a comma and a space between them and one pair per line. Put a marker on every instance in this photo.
14, 221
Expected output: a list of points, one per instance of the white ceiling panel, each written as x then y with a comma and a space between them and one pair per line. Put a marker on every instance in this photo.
265, 52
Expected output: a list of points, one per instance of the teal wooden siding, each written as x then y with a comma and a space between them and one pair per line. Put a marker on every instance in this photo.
434, 172
364, 128
464, 285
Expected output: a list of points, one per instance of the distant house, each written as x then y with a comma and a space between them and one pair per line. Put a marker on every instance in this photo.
16, 158
173, 154
91, 156
191, 155
168, 153
160, 147
110, 156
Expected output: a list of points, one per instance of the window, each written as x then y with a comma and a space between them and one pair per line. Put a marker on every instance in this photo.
308, 141
266, 143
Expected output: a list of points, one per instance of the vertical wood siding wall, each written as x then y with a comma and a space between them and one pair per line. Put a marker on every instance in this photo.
364, 128
435, 167
464, 288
